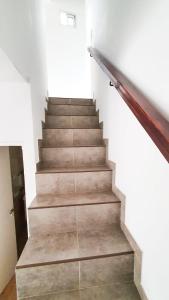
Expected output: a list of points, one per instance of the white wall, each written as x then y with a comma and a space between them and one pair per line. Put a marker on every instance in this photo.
8, 252
132, 34
22, 38
16, 122
67, 59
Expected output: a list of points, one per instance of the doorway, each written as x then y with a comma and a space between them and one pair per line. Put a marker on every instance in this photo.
13, 217
18, 191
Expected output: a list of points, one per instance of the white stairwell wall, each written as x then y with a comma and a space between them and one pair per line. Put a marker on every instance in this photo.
23, 88
67, 59
23, 80
132, 34
16, 121
22, 38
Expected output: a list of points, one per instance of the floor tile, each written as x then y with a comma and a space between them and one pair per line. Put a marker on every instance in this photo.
63, 296
111, 292
58, 247
49, 279
95, 243
99, 216
96, 272
73, 199
49, 221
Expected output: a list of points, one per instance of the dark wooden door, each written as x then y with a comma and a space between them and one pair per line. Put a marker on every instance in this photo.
18, 188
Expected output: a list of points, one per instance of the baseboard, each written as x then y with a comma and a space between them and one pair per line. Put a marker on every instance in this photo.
137, 261
131, 240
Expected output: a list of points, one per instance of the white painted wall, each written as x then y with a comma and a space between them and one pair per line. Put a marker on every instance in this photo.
67, 60
22, 38
8, 251
16, 121
132, 34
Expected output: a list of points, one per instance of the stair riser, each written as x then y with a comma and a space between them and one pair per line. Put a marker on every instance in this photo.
68, 219
73, 157
47, 279
72, 122
81, 182
74, 110
70, 101
41, 280
72, 137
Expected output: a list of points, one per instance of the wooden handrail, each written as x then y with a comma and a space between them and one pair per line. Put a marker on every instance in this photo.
156, 125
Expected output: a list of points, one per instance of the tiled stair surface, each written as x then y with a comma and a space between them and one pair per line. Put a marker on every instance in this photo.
76, 248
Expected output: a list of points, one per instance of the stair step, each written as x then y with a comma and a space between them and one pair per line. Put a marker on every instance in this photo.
72, 137
92, 210
69, 109
75, 122
74, 169
73, 156
52, 220
73, 261
121, 291
74, 246
60, 214
73, 180
46, 201
74, 101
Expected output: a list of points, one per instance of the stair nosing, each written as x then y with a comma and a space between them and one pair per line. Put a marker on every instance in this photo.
69, 98
71, 128
72, 146
94, 115
74, 259
76, 146
73, 116
70, 205
70, 104
42, 171
74, 128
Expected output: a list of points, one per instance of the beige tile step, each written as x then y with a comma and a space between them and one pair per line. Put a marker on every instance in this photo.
65, 278
74, 101
73, 261
76, 122
46, 201
58, 219
116, 291
74, 246
77, 169
72, 137
73, 180
73, 156
71, 110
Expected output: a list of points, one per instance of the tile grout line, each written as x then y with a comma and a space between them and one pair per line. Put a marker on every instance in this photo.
77, 228
71, 123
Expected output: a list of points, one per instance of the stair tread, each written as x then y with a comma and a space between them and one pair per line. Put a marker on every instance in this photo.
70, 146
46, 201
74, 246
74, 146
72, 104
114, 291
71, 115
74, 170
73, 129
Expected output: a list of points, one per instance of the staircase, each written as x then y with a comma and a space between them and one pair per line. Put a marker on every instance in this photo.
76, 248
